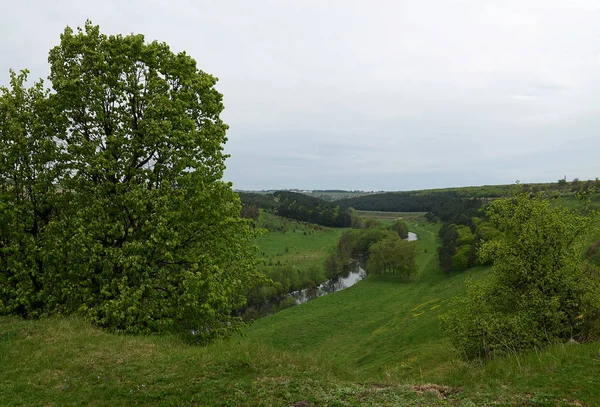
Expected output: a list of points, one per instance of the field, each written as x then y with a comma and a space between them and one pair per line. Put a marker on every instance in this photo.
572, 202
292, 242
377, 343
391, 215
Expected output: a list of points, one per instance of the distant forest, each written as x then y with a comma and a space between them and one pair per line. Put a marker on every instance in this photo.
296, 206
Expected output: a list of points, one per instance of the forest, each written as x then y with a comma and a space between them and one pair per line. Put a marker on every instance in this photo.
297, 206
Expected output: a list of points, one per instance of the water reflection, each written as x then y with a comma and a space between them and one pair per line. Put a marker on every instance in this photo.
352, 274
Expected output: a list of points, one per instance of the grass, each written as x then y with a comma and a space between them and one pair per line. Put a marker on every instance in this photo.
292, 255
574, 203
391, 215
292, 242
377, 343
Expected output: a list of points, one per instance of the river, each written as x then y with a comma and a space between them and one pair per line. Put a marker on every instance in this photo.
352, 274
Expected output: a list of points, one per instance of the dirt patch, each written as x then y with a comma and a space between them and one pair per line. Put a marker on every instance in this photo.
442, 392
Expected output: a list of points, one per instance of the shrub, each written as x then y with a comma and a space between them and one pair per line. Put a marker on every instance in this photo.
540, 292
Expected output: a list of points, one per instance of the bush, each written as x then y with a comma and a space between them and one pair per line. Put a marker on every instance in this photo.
400, 227
540, 292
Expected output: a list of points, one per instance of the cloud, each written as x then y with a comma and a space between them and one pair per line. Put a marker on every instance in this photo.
370, 94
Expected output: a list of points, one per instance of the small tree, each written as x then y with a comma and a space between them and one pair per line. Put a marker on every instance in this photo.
392, 255
400, 227
539, 291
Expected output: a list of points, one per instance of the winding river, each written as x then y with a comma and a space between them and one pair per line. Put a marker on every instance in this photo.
351, 275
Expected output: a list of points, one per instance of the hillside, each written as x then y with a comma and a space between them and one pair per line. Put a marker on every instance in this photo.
376, 343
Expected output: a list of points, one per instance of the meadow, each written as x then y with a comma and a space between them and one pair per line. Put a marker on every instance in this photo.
377, 343
289, 242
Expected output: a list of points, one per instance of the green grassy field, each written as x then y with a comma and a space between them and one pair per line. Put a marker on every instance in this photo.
292, 242
377, 344
391, 215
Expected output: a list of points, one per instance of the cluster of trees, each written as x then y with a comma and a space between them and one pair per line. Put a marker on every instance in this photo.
264, 201
112, 203
309, 209
577, 185
540, 291
459, 233
252, 202
460, 243
391, 202
383, 248
301, 207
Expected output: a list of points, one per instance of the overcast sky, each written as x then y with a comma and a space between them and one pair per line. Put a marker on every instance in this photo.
372, 95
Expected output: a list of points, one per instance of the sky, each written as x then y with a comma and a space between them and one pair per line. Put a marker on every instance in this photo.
369, 95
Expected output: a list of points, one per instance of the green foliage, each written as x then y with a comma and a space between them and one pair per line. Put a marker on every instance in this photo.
367, 345
370, 236
369, 223
400, 227
356, 221
539, 292
334, 265
262, 201
30, 168
392, 255
465, 236
309, 209
461, 260
143, 235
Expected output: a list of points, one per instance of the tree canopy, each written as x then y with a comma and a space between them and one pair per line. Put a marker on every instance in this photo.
309, 209
113, 202
392, 255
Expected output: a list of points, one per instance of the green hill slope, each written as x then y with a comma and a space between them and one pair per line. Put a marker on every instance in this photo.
376, 343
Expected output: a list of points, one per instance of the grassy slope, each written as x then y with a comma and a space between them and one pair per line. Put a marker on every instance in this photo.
294, 246
380, 327
366, 345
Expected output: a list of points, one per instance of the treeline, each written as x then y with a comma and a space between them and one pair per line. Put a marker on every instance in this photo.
561, 187
263, 201
460, 243
390, 202
308, 209
253, 202
296, 206
446, 205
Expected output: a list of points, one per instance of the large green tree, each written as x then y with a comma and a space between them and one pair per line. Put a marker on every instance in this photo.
148, 237
540, 290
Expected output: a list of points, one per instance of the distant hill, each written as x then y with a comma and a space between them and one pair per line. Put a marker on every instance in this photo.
298, 206
310, 209
433, 200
